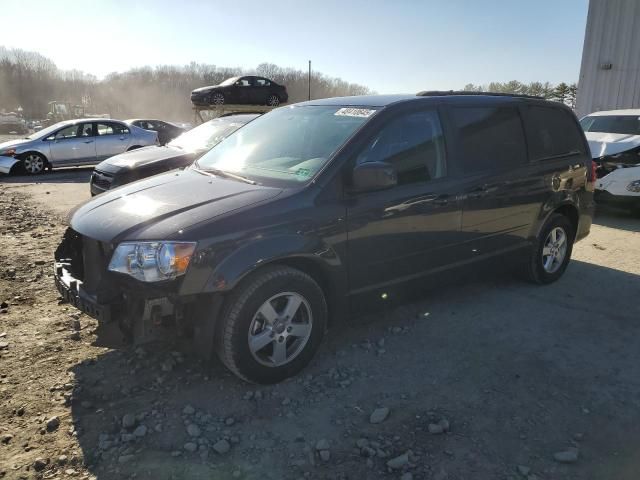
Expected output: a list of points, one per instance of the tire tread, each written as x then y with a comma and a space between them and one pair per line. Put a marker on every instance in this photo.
236, 302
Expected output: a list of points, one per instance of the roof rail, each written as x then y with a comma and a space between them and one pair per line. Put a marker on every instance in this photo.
444, 93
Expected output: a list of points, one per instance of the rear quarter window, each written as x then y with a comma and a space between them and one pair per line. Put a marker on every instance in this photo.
491, 138
552, 132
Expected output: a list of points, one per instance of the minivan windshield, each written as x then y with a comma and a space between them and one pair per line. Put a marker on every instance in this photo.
621, 124
289, 144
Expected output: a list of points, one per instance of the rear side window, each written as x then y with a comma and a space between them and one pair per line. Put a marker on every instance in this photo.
491, 138
413, 143
552, 133
112, 129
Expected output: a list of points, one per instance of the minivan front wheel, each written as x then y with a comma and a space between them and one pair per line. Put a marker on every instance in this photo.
272, 325
552, 250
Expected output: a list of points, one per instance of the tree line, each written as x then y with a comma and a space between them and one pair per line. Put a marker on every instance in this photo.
562, 92
30, 80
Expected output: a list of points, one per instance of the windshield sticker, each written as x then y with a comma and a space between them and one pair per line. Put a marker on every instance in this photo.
355, 112
303, 172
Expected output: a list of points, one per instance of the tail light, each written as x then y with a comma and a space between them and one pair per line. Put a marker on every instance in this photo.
592, 173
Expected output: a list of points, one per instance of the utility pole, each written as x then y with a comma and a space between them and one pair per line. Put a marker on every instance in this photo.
309, 80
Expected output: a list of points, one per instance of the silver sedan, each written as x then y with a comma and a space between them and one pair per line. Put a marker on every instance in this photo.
73, 142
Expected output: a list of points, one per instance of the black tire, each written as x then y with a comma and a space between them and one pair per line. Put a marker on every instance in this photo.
273, 100
216, 98
33, 163
241, 310
535, 269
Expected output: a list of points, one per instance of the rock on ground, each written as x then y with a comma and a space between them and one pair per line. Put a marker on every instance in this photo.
567, 456
379, 415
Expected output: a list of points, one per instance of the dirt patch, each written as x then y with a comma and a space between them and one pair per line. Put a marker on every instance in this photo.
484, 380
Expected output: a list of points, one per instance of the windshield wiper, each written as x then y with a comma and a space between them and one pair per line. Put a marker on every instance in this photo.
222, 173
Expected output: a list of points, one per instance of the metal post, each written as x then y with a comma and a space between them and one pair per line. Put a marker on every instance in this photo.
309, 79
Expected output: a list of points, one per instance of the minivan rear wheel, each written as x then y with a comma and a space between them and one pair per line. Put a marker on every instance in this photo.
272, 326
551, 252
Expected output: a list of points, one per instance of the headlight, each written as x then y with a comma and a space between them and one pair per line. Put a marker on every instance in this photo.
634, 186
152, 261
8, 153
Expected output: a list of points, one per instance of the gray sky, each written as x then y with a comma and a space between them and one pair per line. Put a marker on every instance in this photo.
390, 46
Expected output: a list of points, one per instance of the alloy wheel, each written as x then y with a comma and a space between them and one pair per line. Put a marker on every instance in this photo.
554, 250
33, 163
273, 101
218, 99
280, 329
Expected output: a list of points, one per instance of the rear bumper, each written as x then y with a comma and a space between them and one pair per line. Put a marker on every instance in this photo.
7, 163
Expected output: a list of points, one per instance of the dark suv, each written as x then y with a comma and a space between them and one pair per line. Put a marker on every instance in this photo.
283, 225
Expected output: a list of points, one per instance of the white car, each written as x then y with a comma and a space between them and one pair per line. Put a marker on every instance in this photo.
73, 142
614, 140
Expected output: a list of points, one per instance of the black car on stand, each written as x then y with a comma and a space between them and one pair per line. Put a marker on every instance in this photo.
247, 90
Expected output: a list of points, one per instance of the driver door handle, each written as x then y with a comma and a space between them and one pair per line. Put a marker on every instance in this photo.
441, 200
433, 199
88, 141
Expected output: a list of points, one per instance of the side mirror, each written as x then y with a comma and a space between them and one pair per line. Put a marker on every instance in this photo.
371, 176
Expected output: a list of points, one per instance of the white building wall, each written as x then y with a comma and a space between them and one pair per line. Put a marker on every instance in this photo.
612, 37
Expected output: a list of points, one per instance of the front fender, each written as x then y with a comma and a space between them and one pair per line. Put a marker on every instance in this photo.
7, 163
285, 248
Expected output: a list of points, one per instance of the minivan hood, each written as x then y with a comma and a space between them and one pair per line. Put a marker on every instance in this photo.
602, 144
139, 157
163, 207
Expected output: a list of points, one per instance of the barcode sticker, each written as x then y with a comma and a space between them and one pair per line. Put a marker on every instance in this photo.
355, 112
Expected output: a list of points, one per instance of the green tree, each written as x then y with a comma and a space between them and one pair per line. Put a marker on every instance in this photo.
561, 93
514, 86
536, 89
547, 90
572, 95
470, 87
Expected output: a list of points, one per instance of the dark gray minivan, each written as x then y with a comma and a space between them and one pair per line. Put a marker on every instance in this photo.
262, 243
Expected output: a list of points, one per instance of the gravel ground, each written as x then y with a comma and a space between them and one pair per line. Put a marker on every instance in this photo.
484, 380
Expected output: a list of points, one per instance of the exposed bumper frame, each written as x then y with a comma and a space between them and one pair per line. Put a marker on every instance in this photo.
71, 290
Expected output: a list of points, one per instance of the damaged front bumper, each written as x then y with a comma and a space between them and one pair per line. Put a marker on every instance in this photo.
142, 312
7, 163
72, 291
